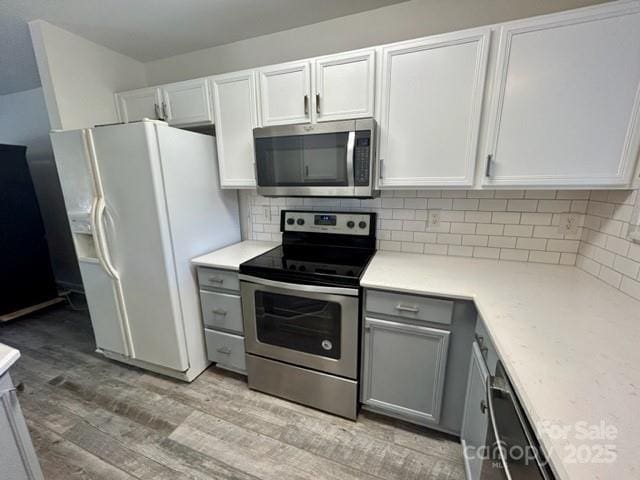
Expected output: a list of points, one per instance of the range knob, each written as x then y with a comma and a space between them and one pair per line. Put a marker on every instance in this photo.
351, 224
362, 224
290, 221
300, 221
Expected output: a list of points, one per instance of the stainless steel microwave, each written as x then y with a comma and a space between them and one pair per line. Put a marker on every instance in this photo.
333, 159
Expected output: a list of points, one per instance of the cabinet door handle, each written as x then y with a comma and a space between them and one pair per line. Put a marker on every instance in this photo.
164, 111
157, 109
317, 103
381, 168
218, 311
487, 171
216, 280
403, 308
225, 350
483, 406
306, 104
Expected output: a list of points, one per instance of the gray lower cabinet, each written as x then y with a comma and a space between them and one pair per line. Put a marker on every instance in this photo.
475, 420
222, 317
404, 368
18, 459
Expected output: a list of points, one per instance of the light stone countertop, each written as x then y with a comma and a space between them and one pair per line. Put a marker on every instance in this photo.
230, 258
8, 356
570, 344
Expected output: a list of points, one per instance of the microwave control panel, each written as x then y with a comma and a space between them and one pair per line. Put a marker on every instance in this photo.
362, 158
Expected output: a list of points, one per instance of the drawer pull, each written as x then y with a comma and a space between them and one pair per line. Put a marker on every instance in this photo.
216, 280
403, 308
225, 350
218, 311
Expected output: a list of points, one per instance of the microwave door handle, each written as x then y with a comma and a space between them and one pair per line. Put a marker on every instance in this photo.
351, 141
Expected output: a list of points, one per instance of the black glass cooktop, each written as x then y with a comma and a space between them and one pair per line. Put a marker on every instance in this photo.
313, 265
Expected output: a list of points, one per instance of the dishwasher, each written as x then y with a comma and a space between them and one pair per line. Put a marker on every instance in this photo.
513, 450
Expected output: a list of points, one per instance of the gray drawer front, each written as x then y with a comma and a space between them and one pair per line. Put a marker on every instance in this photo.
226, 350
413, 307
218, 279
221, 311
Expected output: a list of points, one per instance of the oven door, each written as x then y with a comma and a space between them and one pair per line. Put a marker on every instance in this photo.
304, 325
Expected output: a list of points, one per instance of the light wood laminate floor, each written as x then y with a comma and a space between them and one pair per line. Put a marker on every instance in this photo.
91, 418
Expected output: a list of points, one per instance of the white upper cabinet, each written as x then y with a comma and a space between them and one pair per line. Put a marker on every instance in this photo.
138, 104
285, 94
432, 91
188, 103
234, 101
565, 105
344, 86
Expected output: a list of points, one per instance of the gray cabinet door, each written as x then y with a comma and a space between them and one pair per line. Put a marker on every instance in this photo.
475, 420
18, 459
404, 369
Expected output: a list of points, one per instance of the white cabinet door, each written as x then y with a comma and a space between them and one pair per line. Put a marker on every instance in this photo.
234, 108
344, 86
138, 104
285, 94
476, 416
188, 103
565, 106
404, 369
432, 92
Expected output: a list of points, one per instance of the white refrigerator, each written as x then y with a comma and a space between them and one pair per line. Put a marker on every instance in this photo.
143, 199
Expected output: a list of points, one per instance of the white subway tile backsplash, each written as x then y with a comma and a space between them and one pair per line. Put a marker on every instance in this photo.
544, 257
493, 205
536, 219
485, 252
515, 225
525, 243
522, 205
513, 254
475, 240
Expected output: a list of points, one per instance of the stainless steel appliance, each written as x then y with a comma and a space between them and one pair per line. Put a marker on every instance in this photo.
326, 159
514, 452
301, 309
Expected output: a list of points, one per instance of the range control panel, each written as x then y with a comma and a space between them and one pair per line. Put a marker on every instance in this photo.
350, 223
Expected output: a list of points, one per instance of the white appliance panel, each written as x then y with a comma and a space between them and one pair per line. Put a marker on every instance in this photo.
139, 242
70, 150
101, 299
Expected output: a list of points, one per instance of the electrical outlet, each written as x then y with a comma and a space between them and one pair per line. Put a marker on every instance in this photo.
434, 219
568, 224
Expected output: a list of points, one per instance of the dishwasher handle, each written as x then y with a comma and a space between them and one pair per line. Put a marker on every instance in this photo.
500, 386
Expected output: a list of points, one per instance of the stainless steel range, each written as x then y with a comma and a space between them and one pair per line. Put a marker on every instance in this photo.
301, 309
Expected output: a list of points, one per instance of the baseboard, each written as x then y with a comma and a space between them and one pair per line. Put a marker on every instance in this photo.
73, 287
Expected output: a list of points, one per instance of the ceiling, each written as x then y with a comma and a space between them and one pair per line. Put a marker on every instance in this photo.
151, 29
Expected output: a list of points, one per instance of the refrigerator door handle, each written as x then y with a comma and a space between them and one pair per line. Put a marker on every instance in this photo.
102, 240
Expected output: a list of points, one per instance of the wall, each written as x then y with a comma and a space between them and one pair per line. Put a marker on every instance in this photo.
79, 77
510, 225
397, 22
23, 121
605, 250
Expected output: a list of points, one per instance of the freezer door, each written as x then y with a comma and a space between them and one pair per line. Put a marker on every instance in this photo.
101, 299
138, 243
70, 150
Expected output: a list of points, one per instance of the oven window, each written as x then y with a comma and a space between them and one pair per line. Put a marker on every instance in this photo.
302, 160
299, 323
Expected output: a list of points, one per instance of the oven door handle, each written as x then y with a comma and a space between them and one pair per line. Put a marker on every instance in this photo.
352, 292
